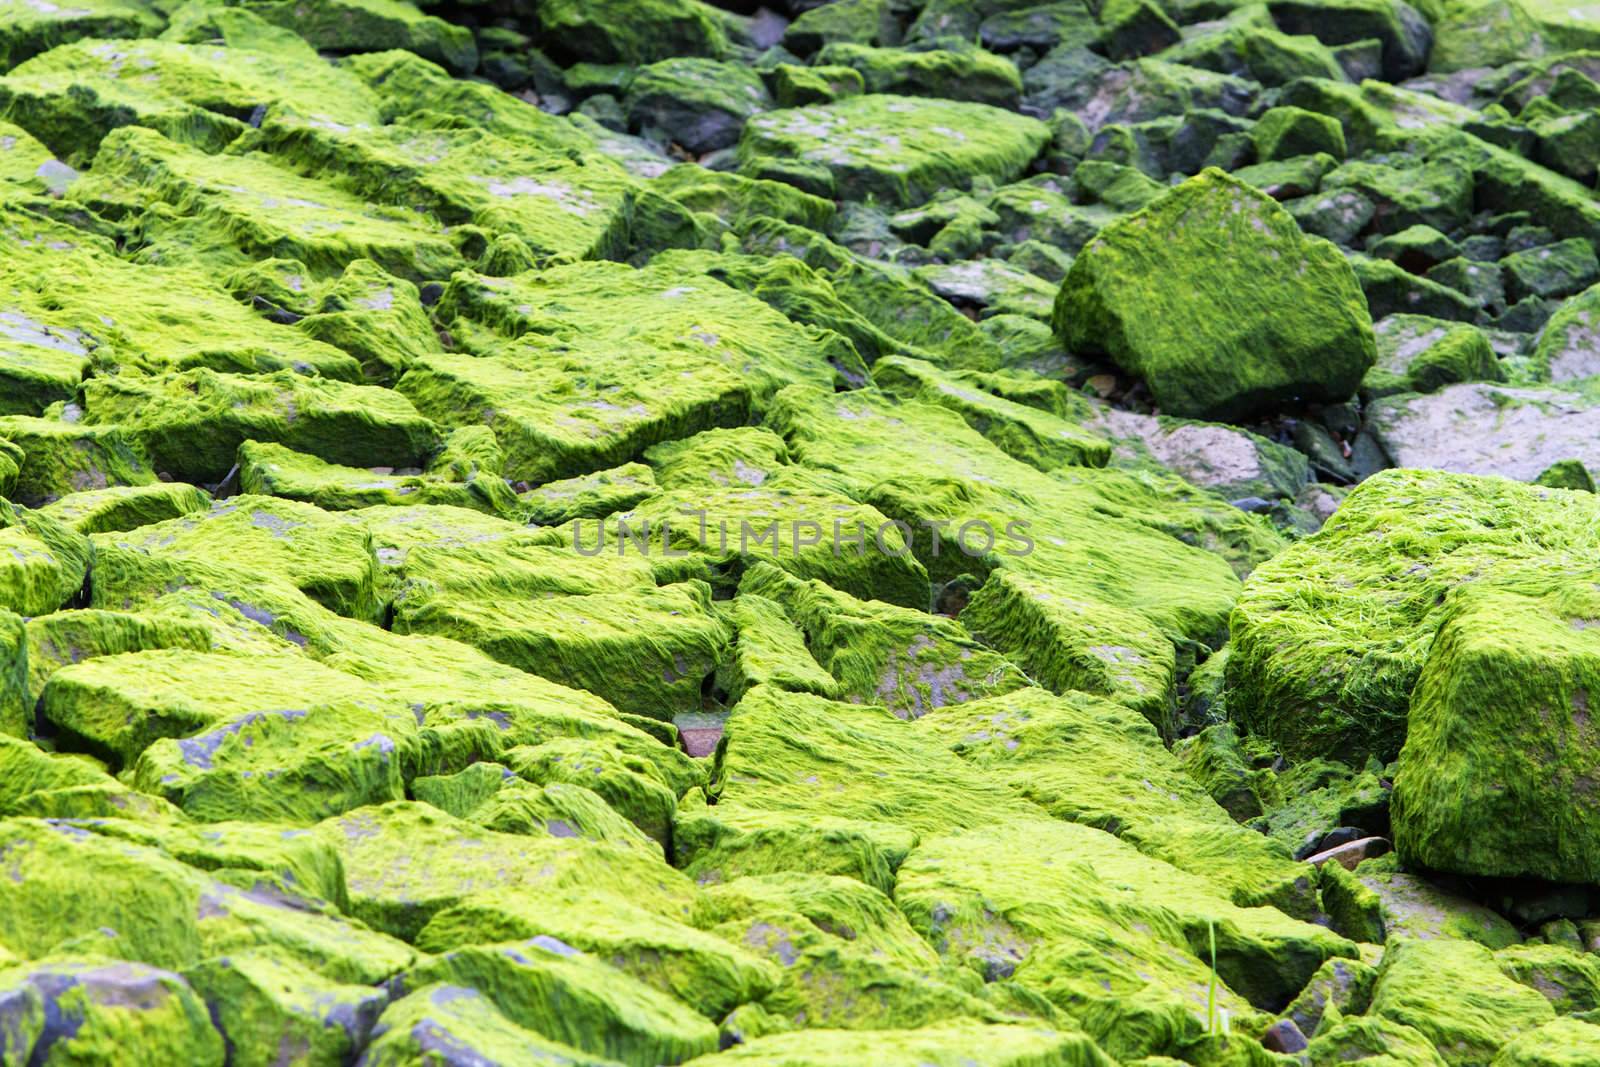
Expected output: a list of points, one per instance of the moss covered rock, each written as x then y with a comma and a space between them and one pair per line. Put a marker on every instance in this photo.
262, 1005
1330, 637
554, 989
191, 424
1452, 992
897, 149
1417, 354
104, 1009
1296, 327
1524, 658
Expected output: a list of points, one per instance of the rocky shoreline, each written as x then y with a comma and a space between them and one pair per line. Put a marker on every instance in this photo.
1020, 533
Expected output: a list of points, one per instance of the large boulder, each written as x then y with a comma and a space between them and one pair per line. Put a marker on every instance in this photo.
1329, 638
1500, 768
1214, 296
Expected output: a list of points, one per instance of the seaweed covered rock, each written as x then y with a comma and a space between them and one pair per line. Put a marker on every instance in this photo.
1569, 344
1147, 292
459, 1021
547, 986
1329, 639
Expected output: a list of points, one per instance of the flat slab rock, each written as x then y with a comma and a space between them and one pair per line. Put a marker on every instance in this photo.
1480, 428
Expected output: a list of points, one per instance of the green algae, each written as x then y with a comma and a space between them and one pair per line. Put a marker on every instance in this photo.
1412, 908
185, 89
1565, 348
497, 799
1123, 962
1023, 433
634, 31
123, 703
923, 465
326, 555
43, 564
447, 1020
903, 659
969, 75
718, 842
1418, 354
1511, 671
287, 766
769, 649
939, 1046
646, 651
165, 912
235, 208
560, 205
66, 637
829, 935
1561, 1043
1043, 747
57, 298
565, 398
1340, 989
60, 458
588, 496
701, 970
100, 1009
32, 28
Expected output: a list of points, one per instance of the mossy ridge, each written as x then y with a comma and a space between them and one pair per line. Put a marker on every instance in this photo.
494, 797
166, 912
571, 384
104, 1008
903, 659
563, 205
965, 891
272, 470
192, 423
215, 84
456, 1019
64, 300
1069, 515
226, 210
828, 934
1513, 670
263, 1002
704, 971
1040, 745
31, 29
733, 497
405, 862
554, 989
